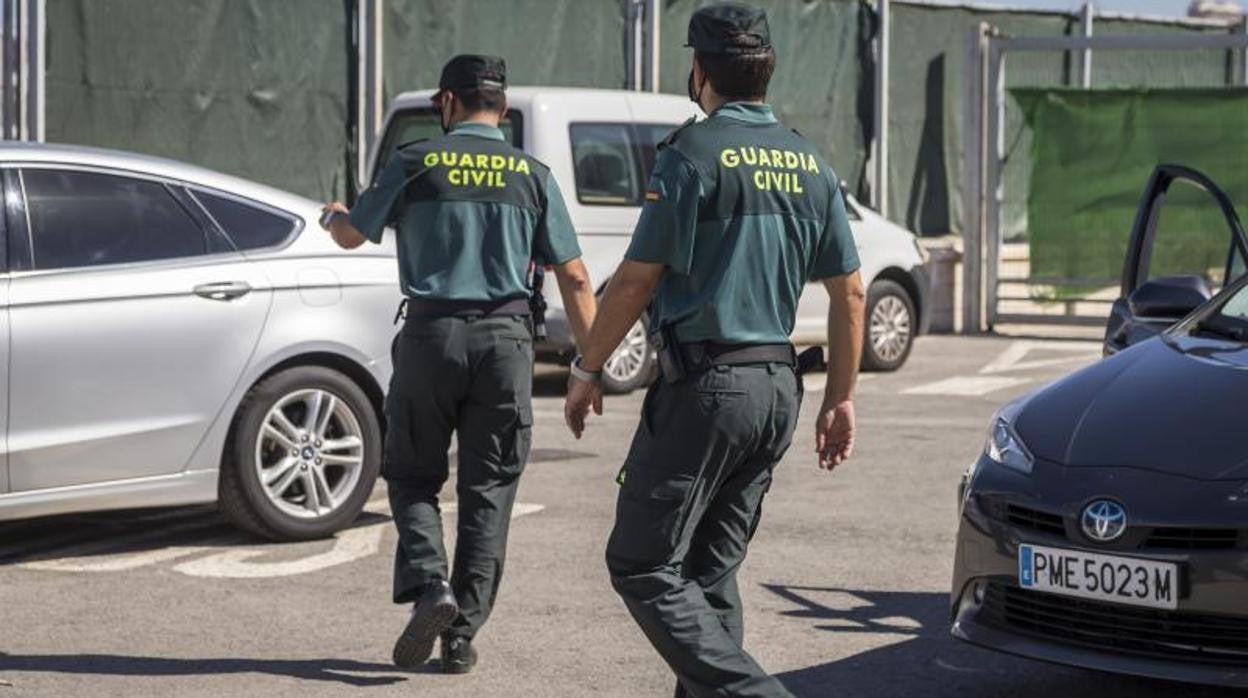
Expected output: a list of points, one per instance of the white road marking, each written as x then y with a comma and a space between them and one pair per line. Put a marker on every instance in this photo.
966, 386
114, 563
1012, 358
238, 562
816, 382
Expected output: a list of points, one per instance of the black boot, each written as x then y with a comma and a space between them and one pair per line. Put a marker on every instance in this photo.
458, 655
434, 612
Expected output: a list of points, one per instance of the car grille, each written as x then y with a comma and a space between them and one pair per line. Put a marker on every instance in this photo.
1158, 538
1035, 520
1193, 538
1139, 631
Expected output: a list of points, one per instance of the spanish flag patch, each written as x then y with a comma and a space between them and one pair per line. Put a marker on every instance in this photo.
652, 195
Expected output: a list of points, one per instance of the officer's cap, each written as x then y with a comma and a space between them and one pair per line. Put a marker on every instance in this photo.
729, 27
469, 71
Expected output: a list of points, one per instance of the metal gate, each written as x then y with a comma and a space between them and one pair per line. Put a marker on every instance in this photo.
998, 286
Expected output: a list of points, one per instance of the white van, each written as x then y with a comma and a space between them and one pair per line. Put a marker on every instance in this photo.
600, 146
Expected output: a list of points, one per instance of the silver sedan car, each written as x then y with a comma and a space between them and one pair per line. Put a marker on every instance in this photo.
171, 335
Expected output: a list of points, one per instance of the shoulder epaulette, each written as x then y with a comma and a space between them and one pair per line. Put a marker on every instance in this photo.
671, 137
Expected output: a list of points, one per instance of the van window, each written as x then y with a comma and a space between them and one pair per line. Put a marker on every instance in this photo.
612, 161
422, 123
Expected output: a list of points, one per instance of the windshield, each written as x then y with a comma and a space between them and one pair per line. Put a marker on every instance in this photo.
1227, 319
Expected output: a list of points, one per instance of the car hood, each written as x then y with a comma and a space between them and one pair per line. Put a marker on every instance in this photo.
1171, 404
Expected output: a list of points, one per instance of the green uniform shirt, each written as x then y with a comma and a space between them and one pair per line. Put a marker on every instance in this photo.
742, 212
471, 211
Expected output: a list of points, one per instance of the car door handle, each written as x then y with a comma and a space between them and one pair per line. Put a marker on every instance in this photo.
223, 290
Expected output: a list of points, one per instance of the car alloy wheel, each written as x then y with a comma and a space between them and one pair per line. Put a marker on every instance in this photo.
309, 453
628, 360
889, 328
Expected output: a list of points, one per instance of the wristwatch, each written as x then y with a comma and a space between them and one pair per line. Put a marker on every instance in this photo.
582, 374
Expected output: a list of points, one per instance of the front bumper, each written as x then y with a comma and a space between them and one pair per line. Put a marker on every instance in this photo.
1205, 641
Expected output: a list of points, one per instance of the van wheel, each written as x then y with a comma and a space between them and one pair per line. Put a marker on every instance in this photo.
632, 365
302, 456
890, 327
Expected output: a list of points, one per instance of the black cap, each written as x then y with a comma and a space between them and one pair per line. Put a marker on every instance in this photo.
469, 71
729, 27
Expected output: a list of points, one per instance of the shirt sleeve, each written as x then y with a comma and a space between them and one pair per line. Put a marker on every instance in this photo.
669, 218
374, 210
835, 253
555, 239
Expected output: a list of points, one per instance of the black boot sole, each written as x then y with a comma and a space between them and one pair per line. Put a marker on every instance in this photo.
457, 667
415, 645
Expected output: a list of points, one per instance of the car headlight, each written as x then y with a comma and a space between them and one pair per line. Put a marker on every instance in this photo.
1004, 444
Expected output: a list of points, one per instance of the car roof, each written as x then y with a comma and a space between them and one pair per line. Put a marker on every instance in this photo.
16, 153
537, 95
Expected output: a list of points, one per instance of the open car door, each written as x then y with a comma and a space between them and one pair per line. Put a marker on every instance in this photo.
1186, 244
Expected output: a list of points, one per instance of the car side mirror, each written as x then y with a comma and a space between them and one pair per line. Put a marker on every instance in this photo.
1168, 297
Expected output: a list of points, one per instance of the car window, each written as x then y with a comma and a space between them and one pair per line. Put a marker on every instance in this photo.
248, 226
80, 219
605, 161
648, 138
423, 123
1191, 237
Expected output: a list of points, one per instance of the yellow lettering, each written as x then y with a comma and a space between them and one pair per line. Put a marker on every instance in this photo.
797, 184
729, 158
498, 162
465, 160
448, 159
812, 165
791, 160
760, 181
522, 166
498, 180
456, 177
478, 178
431, 159
483, 161
763, 159
777, 158
749, 156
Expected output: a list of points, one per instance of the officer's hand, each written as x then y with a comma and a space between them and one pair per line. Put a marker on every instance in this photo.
834, 433
334, 207
581, 396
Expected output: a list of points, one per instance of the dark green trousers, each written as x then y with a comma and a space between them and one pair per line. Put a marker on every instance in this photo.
691, 494
472, 377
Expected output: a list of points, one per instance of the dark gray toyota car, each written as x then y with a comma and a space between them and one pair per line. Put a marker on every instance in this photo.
1105, 525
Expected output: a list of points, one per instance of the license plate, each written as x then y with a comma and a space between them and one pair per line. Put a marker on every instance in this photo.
1125, 580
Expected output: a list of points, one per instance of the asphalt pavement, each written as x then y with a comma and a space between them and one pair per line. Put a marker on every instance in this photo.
846, 585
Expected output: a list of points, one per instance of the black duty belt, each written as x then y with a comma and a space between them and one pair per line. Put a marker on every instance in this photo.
434, 308
706, 354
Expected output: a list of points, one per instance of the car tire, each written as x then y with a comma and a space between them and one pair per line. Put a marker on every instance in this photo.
632, 365
891, 323
258, 492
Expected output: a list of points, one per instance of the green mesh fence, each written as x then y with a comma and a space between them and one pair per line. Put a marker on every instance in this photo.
256, 88
1091, 155
578, 43
823, 72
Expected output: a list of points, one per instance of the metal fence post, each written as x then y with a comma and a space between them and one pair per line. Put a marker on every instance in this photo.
1087, 17
634, 44
370, 70
650, 62
1243, 65
23, 61
995, 191
879, 144
973, 154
